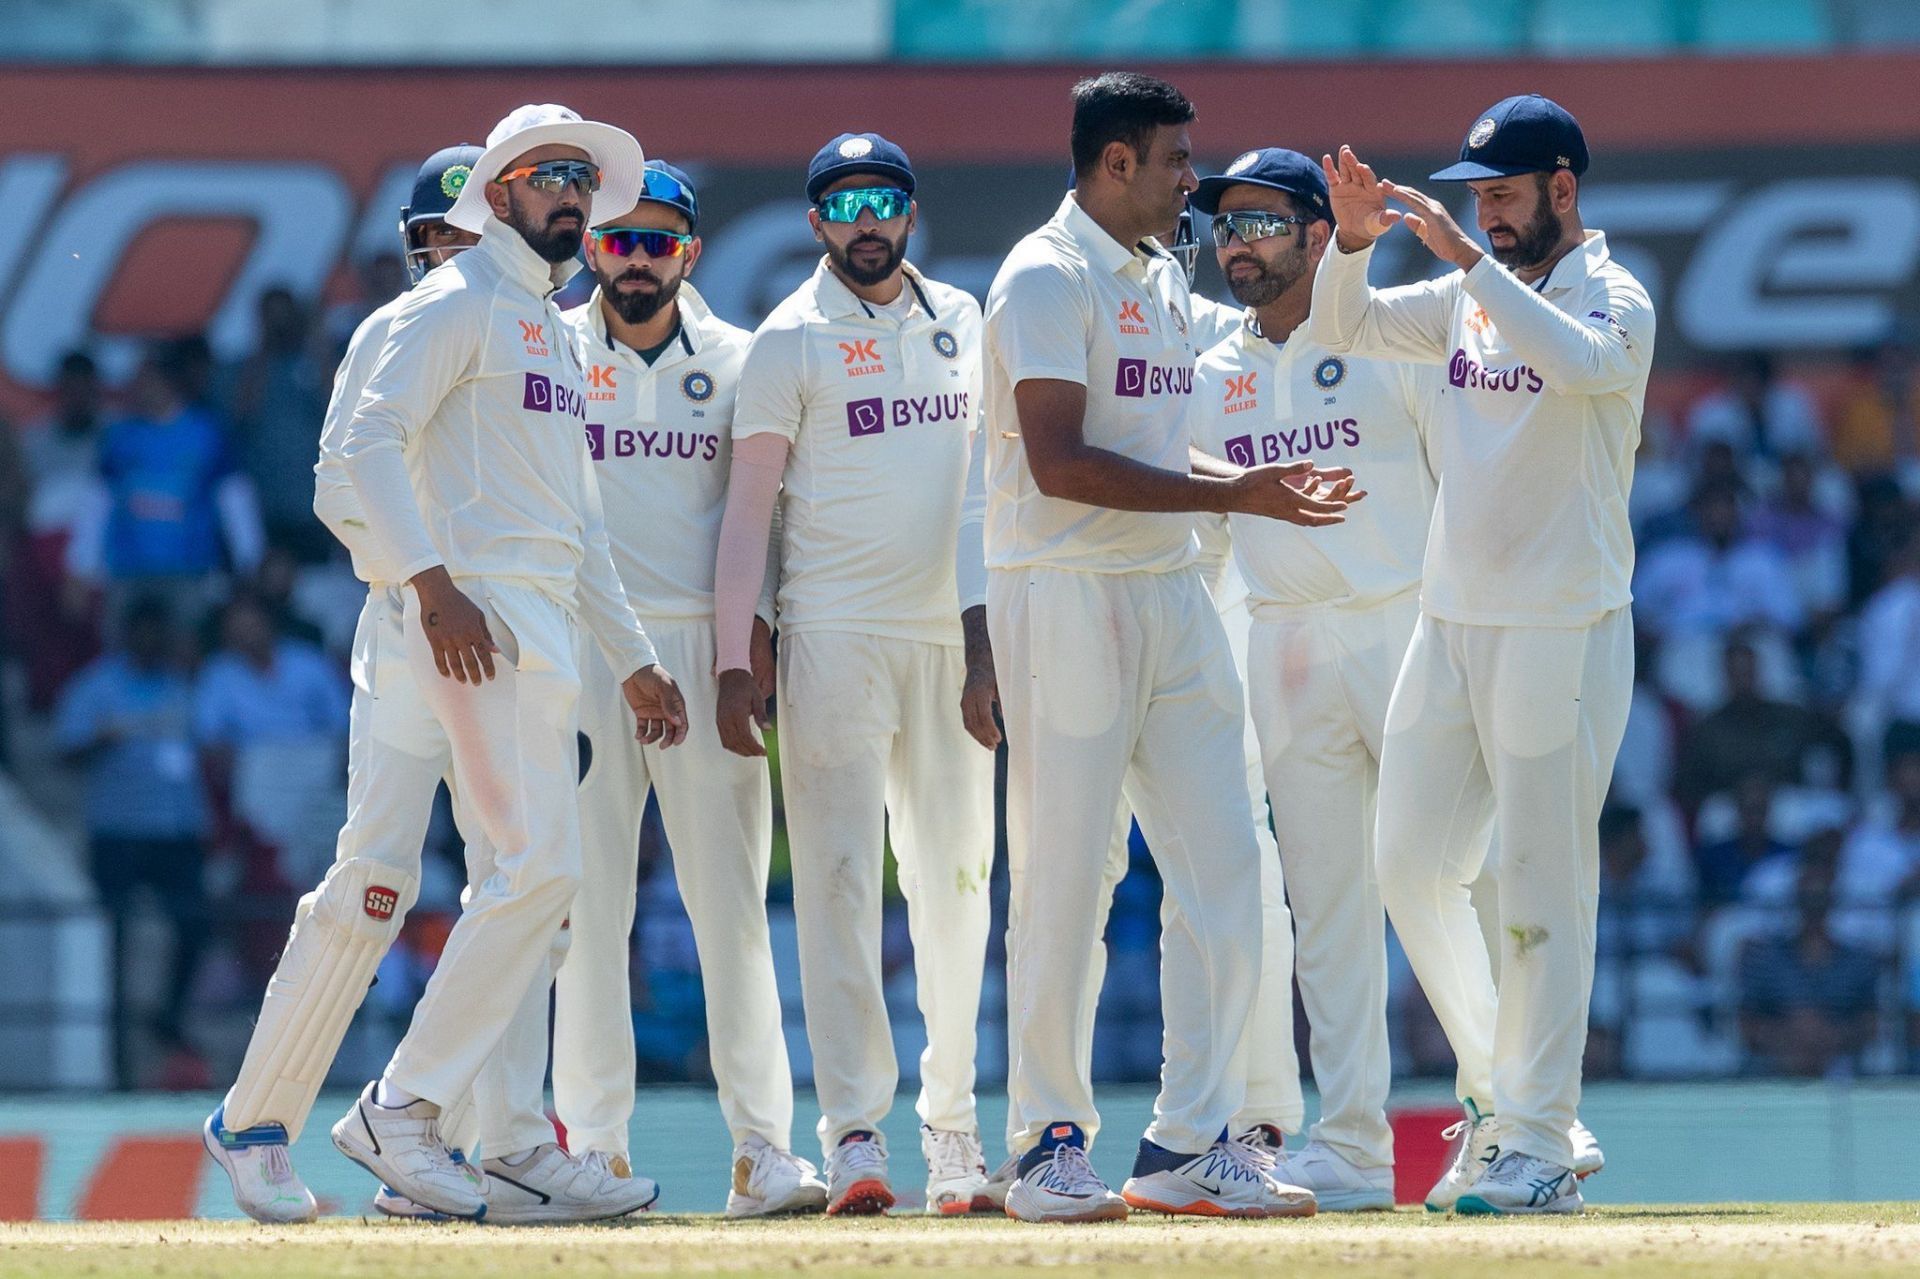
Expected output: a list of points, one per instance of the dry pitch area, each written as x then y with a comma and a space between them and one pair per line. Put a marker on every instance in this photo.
1803, 1241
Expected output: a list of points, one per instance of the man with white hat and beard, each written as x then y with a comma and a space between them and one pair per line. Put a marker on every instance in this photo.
469, 454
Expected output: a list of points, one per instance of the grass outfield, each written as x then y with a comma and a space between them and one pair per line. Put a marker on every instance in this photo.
1802, 1241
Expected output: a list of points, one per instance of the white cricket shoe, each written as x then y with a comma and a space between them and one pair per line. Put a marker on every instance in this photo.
1228, 1179
389, 1204
1337, 1183
265, 1186
768, 1182
1588, 1158
857, 1181
1478, 1138
1056, 1183
548, 1186
1000, 1181
1518, 1183
402, 1146
956, 1172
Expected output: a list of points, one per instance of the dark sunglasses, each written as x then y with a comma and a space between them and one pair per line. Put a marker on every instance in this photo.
555, 176
621, 241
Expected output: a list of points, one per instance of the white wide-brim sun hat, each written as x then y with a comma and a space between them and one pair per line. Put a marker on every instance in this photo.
617, 153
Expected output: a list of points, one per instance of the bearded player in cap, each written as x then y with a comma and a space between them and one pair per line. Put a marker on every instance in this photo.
857, 412
468, 454
1513, 698
1332, 611
662, 373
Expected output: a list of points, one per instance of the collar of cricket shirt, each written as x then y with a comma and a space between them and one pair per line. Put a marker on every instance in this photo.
507, 248
1101, 248
1574, 269
837, 301
695, 315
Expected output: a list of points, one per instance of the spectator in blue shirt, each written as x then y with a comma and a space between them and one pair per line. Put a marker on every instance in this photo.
128, 720
171, 511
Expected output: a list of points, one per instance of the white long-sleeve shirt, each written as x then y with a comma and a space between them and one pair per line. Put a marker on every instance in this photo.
468, 446
335, 500
1533, 432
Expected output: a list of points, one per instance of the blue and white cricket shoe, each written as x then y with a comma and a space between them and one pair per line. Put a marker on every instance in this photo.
265, 1186
1228, 1179
1476, 1139
1056, 1183
1521, 1184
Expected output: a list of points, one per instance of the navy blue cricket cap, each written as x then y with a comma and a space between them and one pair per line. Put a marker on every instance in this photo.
1275, 168
663, 183
1524, 134
438, 184
858, 153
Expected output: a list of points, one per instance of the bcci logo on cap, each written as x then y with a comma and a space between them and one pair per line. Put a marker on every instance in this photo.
380, 903
1481, 134
1244, 163
454, 180
854, 148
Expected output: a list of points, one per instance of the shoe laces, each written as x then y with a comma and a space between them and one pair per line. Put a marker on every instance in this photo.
1070, 1172
862, 1155
1253, 1143
1241, 1161
951, 1155
279, 1168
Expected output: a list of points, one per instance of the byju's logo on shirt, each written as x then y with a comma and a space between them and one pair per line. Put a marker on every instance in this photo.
544, 395
872, 417
1293, 442
1136, 379
688, 446
1469, 374
1132, 321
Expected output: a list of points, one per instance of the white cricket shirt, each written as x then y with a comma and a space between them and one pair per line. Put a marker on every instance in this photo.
334, 499
1533, 431
661, 437
1255, 403
879, 410
1073, 304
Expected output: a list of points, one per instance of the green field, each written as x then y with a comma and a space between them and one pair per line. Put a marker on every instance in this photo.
1799, 1240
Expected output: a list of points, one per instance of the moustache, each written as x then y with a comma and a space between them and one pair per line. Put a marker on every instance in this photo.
870, 241
637, 277
566, 212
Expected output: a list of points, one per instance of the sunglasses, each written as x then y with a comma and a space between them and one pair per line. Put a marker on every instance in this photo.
1252, 226
555, 176
621, 241
887, 203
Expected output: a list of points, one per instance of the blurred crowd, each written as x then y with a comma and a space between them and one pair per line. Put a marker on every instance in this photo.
175, 625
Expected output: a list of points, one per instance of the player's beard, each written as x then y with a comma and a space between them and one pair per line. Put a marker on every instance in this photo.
866, 276
553, 243
1533, 243
636, 306
1273, 279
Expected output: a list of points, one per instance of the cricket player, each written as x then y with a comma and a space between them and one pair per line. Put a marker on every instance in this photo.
1212, 323
397, 754
1114, 670
1513, 697
857, 406
467, 451
1332, 612
662, 373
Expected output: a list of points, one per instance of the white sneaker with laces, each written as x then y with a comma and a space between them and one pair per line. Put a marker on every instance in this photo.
548, 1186
1478, 1136
1518, 1184
1588, 1158
257, 1162
1229, 1179
1056, 1183
768, 1182
999, 1181
1338, 1184
857, 1181
402, 1146
956, 1172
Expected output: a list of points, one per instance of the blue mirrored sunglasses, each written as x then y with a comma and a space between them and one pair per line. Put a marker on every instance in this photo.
886, 202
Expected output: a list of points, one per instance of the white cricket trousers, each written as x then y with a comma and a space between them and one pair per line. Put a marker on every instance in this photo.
1520, 724
718, 813
1111, 681
515, 757
1319, 681
872, 747
397, 755
1273, 1070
